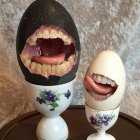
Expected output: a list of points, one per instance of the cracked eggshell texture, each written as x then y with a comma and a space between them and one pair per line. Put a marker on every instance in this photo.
109, 64
49, 13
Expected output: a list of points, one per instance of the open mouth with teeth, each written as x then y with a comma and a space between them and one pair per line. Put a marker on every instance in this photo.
99, 86
49, 51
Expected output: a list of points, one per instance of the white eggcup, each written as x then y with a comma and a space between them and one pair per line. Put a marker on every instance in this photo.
51, 101
101, 121
109, 65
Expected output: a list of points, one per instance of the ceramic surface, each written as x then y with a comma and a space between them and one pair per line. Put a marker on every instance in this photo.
101, 121
51, 101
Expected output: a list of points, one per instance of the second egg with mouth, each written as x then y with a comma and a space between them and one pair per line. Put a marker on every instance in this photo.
104, 81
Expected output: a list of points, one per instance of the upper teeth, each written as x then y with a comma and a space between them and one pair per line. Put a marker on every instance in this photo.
47, 33
103, 80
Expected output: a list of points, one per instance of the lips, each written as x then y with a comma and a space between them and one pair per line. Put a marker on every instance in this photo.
49, 51
99, 86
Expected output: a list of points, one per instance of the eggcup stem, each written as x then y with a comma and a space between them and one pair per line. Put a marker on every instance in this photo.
101, 132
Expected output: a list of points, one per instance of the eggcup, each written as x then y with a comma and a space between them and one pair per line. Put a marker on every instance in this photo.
51, 101
101, 121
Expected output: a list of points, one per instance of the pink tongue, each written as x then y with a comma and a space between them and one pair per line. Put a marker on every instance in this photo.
97, 88
49, 60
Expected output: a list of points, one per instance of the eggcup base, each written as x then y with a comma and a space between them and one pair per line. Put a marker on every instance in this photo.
98, 136
54, 128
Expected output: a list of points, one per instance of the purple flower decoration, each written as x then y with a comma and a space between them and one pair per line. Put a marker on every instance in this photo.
41, 101
50, 98
99, 120
106, 119
68, 94
93, 120
52, 109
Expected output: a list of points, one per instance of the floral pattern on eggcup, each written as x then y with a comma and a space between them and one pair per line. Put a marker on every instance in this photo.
101, 120
51, 97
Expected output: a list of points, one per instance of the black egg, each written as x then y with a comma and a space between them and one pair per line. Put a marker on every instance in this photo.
48, 45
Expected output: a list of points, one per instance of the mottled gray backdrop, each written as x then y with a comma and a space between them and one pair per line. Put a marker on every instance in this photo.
102, 24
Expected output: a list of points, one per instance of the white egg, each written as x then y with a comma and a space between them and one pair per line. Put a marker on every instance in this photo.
105, 81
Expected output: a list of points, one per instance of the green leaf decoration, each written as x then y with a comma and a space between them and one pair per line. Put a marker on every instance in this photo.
54, 105
42, 95
112, 117
99, 116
